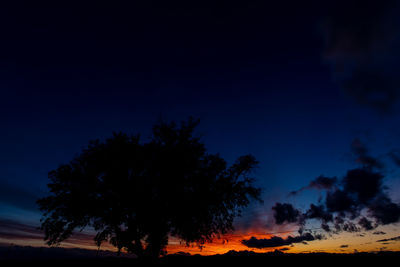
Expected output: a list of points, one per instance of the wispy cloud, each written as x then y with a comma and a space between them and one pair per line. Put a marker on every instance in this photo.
397, 238
15, 231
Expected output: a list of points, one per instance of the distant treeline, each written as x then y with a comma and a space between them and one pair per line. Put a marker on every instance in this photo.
58, 257
15, 252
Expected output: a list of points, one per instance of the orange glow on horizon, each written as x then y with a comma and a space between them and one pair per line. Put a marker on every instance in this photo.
221, 245
342, 243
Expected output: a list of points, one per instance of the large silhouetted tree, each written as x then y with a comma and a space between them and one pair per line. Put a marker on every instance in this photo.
136, 194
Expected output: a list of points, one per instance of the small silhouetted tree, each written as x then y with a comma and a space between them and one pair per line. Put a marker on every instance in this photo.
136, 194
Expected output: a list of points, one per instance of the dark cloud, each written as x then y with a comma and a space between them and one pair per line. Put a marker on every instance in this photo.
323, 182
379, 233
366, 224
397, 238
363, 184
361, 189
341, 224
384, 210
361, 40
319, 183
344, 246
325, 227
318, 212
285, 213
356, 202
339, 221
359, 149
339, 201
277, 241
350, 227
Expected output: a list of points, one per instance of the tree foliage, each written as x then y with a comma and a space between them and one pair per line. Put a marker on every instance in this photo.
136, 194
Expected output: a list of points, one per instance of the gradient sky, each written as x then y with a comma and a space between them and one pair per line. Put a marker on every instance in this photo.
292, 83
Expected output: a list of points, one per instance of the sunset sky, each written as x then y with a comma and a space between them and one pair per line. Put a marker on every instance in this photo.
310, 88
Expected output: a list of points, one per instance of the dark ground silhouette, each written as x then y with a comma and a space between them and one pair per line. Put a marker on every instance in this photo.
243, 258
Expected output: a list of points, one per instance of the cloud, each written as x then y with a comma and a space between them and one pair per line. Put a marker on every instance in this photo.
384, 210
358, 201
14, 230
344, 246
364, 185
285, 213
319, 183
362, 189
318, 212
379, 233
10, 229
323, 182
350, 227
276, 241
361, 152
397, 238
361, 41
366, 224
339, 201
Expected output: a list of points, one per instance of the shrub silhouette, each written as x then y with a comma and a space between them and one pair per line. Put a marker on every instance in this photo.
136, 194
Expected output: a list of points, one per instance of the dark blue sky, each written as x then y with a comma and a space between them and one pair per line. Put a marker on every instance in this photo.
264, 79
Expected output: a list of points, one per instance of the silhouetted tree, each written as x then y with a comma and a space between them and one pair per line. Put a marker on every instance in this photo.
136, 194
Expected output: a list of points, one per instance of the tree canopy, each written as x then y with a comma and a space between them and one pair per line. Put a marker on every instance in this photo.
136, 194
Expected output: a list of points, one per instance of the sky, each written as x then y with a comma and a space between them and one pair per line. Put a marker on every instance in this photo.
309, 88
